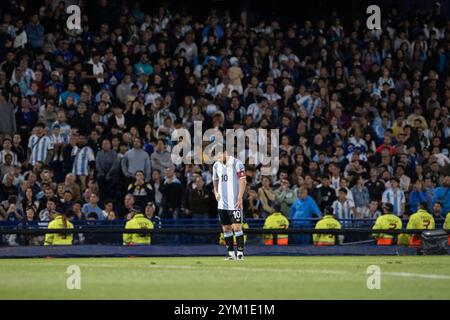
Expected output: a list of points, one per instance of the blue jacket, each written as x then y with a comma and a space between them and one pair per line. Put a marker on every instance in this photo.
218, 31
35, 35
415, 198
442, 194
143, 68
304, 209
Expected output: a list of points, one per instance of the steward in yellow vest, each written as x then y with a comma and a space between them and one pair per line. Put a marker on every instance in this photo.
60, 222
387, 221
327, 222
421, 220
276, 221
447, 226
138, 221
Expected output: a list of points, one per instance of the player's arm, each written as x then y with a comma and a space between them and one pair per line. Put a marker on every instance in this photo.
242, 184
216, 183
216, 189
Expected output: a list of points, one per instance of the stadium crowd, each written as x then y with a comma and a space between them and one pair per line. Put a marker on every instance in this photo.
86, 117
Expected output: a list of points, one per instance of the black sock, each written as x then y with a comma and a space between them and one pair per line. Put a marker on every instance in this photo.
229, 242
240, 241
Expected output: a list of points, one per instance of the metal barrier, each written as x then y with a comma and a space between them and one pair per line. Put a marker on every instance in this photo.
210, 231
207, 223
191, 231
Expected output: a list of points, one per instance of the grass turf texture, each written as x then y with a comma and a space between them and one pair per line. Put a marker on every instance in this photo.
409, 277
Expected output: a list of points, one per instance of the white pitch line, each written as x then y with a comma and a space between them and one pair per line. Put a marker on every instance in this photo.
397, 274
250, 269
417, 275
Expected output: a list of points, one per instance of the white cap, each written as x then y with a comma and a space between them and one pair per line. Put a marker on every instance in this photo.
234, 61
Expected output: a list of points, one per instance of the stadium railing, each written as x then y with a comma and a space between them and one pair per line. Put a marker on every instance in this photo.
186, 229
192, 231
202, 223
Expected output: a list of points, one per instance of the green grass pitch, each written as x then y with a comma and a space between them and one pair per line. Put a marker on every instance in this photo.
411, 277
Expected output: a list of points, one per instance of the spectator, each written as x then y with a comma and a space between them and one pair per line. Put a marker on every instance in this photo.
172, 195
30, 222
417, 196
29, 199
438, 215
150, 210
7, 167
143, 66
161, 158
49, 212
40, 148
107, 168
198, 204
343, 184
302, 210
142, 191
344, 208
361, 196
136, 160
252, 204
35, 32
109, 212
267, 196
395, 196
199, 200
92, 206
189, 47
77, 209
285, 196
442, 195
8, 120
324, 194
84, 161
7, 187
372, 212
374, 185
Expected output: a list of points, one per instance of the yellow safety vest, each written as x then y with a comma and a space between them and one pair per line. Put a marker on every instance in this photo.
327, 222
59, 238
137, 222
